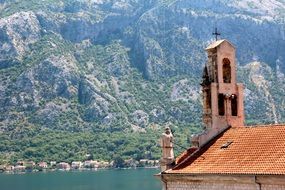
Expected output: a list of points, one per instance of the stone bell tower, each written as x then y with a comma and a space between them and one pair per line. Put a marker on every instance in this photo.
222, 95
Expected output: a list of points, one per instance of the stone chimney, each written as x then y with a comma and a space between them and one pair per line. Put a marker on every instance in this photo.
167, 160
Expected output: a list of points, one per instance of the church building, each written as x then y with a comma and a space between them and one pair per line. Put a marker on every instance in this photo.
228, 155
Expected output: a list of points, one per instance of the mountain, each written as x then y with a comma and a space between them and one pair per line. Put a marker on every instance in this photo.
101, 77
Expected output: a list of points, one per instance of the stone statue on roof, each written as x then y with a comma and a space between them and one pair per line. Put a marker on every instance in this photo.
166, 143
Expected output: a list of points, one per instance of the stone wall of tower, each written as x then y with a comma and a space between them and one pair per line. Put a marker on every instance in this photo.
222, 95
227, 119
221, 70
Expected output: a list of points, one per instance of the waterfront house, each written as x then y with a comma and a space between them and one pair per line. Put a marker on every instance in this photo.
87, 163
63, 166
76, 165
43, 165
104, 164
9, 168
148, 163
91, 164
19, 168
143, 162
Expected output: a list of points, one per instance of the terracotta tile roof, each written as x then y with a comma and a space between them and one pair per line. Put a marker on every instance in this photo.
243, 150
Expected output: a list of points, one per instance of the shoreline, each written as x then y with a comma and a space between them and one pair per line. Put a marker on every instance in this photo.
72, 170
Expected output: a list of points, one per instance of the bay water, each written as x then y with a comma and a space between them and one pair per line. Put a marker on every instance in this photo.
128, 179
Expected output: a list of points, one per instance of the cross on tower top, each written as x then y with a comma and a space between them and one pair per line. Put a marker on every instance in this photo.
216, 33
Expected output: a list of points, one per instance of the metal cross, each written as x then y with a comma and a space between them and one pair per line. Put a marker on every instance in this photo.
216, 33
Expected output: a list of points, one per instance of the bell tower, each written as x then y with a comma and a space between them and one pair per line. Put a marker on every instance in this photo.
222, 95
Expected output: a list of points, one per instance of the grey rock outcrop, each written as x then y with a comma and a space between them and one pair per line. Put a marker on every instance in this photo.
140, 118
17, 32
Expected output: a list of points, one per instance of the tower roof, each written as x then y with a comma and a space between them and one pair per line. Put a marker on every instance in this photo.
217, 43
256, 150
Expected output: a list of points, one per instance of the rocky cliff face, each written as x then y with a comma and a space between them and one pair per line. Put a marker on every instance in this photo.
131, 65
17, 32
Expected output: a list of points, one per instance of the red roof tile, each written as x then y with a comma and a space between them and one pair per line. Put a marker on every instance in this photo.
243, 150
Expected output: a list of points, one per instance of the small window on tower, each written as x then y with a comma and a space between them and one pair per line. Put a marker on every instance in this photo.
226, 70
221, 104
234, 105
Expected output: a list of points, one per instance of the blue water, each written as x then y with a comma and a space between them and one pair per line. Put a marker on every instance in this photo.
131, 179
